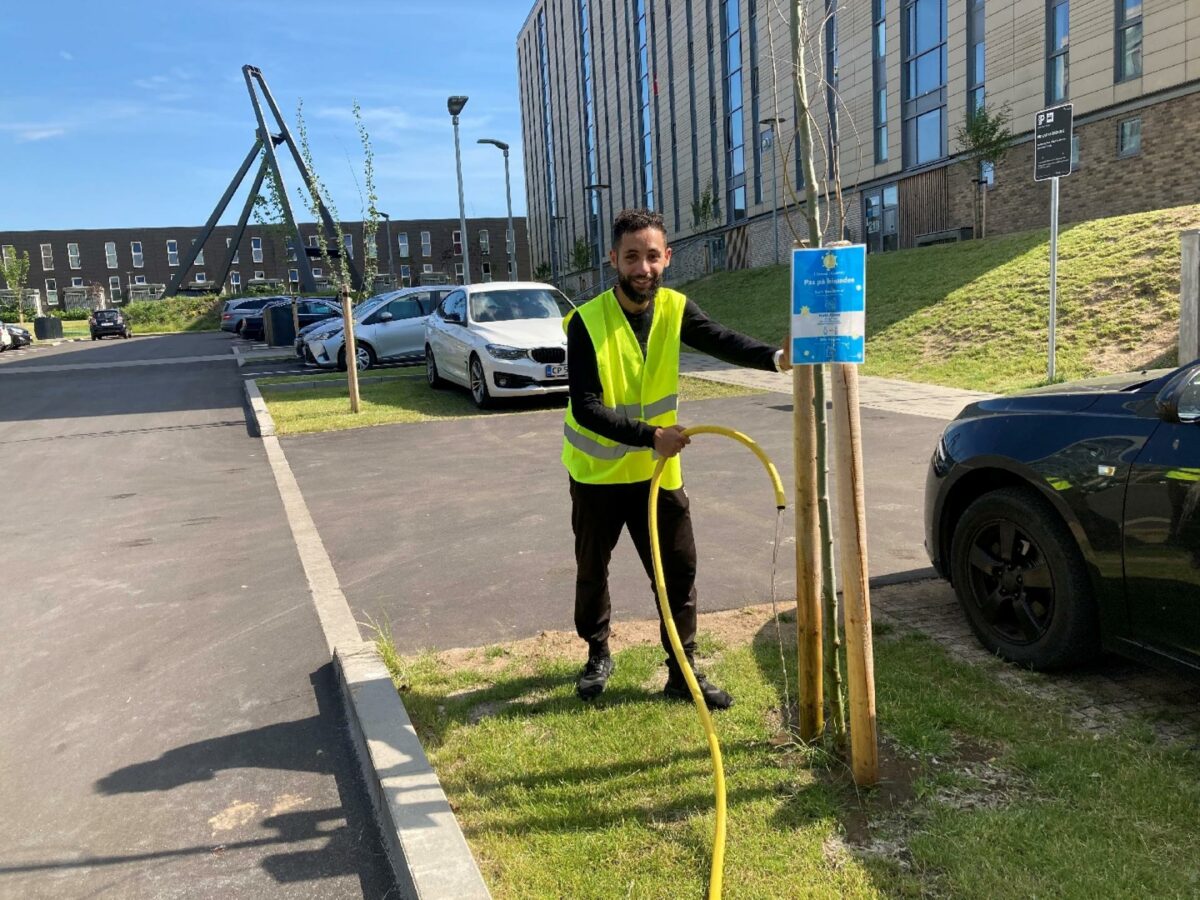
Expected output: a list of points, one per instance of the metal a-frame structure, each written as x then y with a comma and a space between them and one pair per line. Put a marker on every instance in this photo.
265, 142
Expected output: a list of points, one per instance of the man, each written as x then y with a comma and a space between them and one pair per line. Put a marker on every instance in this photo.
623, 352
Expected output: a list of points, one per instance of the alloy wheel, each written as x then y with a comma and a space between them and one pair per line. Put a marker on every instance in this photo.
1010, 582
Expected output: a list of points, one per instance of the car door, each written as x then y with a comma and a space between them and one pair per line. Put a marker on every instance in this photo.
400, 332
1162, 527
446, 339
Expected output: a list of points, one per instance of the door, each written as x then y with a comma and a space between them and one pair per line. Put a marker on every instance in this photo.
455, 338
400, 329
1162, 532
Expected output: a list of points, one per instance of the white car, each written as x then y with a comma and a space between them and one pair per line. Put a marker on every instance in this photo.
499, 339
387, 327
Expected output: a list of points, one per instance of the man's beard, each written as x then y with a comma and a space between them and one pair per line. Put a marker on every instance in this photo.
634, 294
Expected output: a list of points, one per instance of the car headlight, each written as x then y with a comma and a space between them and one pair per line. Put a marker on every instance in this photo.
326, 335
500, 351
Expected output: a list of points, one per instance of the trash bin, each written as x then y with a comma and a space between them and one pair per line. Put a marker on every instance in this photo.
47, 327
278, 328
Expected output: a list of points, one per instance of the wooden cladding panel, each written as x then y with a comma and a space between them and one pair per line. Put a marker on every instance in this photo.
924, 205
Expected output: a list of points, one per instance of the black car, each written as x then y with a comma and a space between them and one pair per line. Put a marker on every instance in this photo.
20, 336
109, 322
1068, 519
314, 309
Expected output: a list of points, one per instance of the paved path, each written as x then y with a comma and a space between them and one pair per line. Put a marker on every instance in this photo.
171, 727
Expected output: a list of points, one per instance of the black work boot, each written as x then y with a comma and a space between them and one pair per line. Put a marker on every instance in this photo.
594, 677
676, 688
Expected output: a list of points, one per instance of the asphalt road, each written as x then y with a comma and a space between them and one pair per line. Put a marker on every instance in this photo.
459, 533
171, 726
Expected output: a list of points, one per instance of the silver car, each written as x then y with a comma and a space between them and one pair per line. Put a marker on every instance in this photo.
389, 327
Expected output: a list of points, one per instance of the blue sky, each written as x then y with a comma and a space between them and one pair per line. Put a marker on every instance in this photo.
123, 114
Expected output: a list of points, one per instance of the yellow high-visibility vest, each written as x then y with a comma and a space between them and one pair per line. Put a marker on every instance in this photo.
642, 388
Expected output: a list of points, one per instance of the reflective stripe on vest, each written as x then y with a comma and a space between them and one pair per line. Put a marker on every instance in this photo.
639, 387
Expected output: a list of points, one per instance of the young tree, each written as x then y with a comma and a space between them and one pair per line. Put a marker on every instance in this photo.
15, 270
542, 272
581, 255
985, 140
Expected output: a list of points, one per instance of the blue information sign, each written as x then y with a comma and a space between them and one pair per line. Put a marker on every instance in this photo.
829, 294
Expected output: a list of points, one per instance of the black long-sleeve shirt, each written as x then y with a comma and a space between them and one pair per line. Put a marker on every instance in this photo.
698, 331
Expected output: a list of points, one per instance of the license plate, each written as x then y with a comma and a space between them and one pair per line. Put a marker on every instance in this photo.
556, 371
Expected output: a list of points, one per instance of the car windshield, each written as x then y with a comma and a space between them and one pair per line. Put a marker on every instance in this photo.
369, 306
106, 314
523, 303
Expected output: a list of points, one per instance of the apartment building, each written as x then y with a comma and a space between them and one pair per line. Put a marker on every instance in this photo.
687, 107
117, 260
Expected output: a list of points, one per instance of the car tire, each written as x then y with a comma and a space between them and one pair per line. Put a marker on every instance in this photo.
477, 378
365, 354
1022, 582
432, 377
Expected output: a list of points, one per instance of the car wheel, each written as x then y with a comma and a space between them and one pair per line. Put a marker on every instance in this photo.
479, 388
431, 369
362, 352
1022, 583
240, 329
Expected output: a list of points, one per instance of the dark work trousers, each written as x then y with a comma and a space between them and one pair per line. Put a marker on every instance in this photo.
598, 513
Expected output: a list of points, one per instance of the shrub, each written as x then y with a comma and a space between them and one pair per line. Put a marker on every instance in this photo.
175, 314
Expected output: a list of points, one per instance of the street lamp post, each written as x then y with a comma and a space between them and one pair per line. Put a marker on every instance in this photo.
387, 236
595, 191
510, 238
455, 106
772, 122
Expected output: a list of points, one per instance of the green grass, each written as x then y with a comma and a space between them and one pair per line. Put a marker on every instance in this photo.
409, 399
989, 792
975, 314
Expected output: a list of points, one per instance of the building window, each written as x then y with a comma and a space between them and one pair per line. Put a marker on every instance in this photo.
139, 279
735, 154
294, 276
52, 291
987, 174
201, 278
458, 273
1129, 137
976, 53
1129, 39
591, 167
172, 253
457, 238
228, 244
923, 81
1058, 36
235, 279
259, 275
314, 241
426, 245
76, 281
485, 243
47, 258
135, 250
291, 249
406, 276
199, 260
348, 243
487, 271
318, 272
372, 249
256, 251
879, 78
73, 259
548, 138
427, 268
114, 287
110, 254
402, 243
643, 97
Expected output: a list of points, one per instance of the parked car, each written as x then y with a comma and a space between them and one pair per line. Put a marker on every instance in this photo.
6, 340
109, 322
234, 312
499, 339
389, 327
18, 337
1068, 519
309, 311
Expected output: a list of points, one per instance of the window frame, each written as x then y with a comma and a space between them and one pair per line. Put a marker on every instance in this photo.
47, 251
256, 250
110, 255
1123, 25
402, 244
1054, 54
426, 244
485, 242
456, 239
74, 260
137, 254
1123, 152
114, 286
172, 253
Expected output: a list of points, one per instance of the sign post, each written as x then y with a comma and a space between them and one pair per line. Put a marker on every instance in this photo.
1052, 137
829, 293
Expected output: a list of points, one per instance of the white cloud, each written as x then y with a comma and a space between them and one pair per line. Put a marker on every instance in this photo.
39, 133
66, 54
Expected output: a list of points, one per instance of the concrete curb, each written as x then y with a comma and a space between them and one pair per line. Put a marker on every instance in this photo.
426, 847
258, 408
246, 356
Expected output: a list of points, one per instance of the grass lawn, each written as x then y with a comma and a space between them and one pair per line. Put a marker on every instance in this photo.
410, 399
988, 792
974, 314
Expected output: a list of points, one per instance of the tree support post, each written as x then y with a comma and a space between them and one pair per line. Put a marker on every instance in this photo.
808, 556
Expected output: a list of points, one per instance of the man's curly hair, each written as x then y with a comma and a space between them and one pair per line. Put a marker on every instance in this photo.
629, 220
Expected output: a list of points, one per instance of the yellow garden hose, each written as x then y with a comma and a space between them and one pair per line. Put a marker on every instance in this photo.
660, 586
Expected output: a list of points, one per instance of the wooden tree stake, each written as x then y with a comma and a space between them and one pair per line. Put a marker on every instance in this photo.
350, 348
808, 556
852, 540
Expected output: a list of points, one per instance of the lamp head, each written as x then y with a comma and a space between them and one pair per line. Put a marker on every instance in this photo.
493, 142
455, 104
